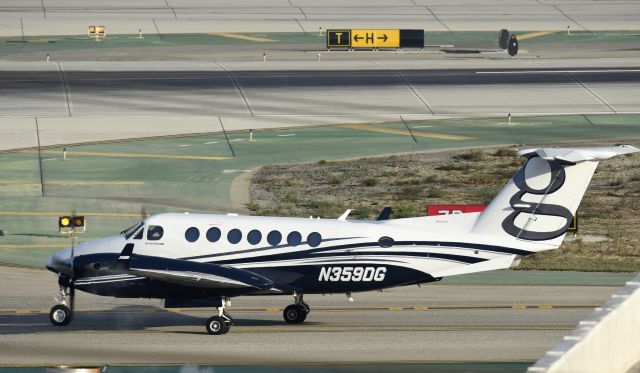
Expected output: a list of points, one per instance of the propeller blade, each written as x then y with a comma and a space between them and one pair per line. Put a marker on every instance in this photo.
72, 295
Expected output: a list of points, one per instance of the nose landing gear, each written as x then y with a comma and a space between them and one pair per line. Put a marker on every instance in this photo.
62, 313
296, 313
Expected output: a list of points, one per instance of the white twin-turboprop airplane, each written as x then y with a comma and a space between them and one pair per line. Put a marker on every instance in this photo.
198, 260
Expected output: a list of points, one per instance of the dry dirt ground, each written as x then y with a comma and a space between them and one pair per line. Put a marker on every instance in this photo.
410, 182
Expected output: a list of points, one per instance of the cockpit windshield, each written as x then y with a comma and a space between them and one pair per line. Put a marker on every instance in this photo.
131, 230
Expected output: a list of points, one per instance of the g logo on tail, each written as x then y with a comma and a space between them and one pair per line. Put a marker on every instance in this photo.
536, 166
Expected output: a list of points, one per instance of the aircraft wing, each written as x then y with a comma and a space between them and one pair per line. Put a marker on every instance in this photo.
195, 274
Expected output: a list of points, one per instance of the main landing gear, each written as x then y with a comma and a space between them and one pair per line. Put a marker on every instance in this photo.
62, 313
296, 313
220, 324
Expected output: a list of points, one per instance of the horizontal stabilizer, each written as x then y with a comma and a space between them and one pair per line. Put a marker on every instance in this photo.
576, 155
487, 265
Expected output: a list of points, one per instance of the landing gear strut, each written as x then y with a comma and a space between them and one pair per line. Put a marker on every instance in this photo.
220, 324
296, 313
62, 313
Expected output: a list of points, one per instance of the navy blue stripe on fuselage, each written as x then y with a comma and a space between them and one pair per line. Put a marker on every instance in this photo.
305, 255
314, 253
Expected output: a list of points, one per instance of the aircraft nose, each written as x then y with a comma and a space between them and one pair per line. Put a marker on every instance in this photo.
59, 261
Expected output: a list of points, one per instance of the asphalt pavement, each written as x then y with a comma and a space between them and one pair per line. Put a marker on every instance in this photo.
433, 323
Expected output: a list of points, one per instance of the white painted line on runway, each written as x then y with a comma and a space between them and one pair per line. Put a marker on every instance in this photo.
558, 71
237, 140
184, 145
211, 142
422, 126
287, 135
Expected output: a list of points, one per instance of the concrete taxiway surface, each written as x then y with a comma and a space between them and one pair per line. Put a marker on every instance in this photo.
431, 323
72, 17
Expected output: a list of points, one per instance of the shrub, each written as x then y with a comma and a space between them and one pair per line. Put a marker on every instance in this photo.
505, 152
476, 155
370, 181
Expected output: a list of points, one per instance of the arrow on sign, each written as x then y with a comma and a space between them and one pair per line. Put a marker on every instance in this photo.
356, 37
384, 37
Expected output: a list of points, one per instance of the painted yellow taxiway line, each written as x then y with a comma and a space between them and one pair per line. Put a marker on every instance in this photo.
34, 246
130, 155
59, 213
242, 37
71, 182
532, 35
319, 309
433, 135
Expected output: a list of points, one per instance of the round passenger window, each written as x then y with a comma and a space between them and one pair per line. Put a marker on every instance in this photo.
386, 241
294, 238
213, 234
234, 236
314, 239
192, 234
254, 237
274, 238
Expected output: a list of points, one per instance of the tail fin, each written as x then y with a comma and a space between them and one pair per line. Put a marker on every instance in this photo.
540, 200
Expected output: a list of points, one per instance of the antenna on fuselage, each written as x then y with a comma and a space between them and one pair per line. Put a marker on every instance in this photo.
344, 215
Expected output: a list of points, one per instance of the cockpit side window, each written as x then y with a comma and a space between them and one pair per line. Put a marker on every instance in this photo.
139, 235
154, 232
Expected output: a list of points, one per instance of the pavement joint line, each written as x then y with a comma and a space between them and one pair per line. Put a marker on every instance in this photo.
408, 129
226, 137
236, 83
170, 7
231, 35
302, 11
408, 84
157, 29
571, 19
65, 86
40, 173
593, 93
586, 117
131, 155
299, 24
437, 18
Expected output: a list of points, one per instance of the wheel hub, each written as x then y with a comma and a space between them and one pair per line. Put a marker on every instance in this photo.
215, 326
292, 314
59, 315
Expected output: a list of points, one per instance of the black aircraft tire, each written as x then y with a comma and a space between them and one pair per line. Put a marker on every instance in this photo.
302, 315
60, 315
217, 325
294, 314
